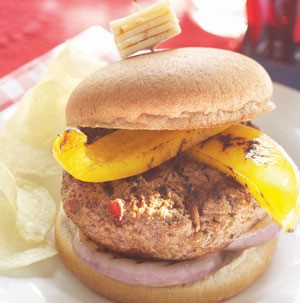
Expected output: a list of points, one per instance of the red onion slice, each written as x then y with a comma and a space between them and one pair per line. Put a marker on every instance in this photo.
159, 274
255, 237
148, 273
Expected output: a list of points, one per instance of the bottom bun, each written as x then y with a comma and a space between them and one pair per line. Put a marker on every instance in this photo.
229, 280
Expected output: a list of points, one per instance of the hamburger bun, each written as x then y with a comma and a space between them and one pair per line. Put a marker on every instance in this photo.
183, 88
242, 270
180, 89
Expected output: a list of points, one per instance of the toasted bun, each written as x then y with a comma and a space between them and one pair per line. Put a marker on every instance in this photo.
183, 88
225, 283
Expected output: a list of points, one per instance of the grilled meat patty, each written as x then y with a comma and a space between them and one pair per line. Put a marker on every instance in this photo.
179, 210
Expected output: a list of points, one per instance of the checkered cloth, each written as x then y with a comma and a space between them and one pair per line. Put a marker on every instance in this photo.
95, 41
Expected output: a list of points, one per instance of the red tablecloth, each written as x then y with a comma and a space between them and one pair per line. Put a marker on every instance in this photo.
31, 28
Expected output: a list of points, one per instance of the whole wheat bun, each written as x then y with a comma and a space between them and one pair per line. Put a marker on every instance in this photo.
224, 283
183, 88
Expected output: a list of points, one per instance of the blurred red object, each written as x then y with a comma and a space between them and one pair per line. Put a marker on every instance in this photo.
29, 30
273, 30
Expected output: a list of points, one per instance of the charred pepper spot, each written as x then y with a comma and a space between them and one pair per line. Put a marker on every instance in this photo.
229, 141
226, 140
65, 138
231, 169
251, 149
254, 151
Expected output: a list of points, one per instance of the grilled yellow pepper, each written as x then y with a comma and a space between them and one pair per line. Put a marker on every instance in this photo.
260, 164
122, 153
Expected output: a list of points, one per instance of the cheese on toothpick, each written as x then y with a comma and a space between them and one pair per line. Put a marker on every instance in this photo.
145, 29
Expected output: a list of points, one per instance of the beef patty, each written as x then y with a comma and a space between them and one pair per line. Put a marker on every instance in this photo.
179, 210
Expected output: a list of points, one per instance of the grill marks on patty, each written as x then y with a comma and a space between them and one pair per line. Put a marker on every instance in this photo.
179, 210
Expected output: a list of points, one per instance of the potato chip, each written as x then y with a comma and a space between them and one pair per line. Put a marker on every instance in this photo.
24, 159
71, 63
27, 208
28, 256
27, 214
14, 250
33, 207
8, 186
36, 211
40, 116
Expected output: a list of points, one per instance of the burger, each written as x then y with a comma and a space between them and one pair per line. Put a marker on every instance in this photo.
166, 193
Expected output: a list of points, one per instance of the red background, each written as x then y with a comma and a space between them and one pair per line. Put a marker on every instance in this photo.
31, 28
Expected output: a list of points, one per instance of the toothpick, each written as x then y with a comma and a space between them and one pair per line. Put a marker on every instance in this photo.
136, 5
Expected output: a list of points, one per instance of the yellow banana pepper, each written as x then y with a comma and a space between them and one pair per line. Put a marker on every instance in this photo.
260, 164
122, 153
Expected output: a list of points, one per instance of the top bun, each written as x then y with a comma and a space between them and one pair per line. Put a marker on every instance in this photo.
183, 88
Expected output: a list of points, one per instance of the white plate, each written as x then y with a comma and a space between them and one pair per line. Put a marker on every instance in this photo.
50, 281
